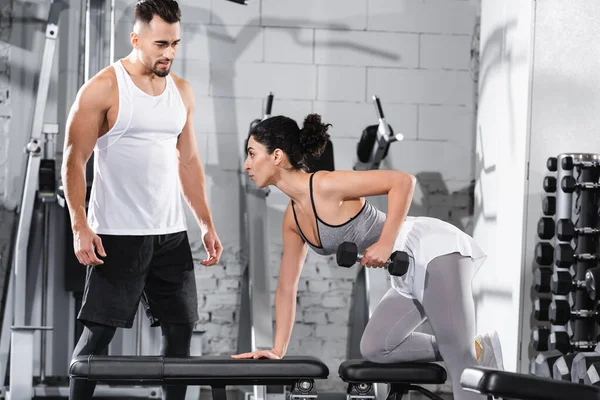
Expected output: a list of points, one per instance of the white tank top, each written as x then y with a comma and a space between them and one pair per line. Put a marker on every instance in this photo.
136, 188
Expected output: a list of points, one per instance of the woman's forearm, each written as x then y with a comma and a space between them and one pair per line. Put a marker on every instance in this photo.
285, 316
399, 200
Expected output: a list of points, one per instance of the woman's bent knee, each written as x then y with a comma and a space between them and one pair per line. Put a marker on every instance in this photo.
372, 350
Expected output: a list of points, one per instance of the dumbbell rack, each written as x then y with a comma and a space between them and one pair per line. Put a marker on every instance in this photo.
563, 255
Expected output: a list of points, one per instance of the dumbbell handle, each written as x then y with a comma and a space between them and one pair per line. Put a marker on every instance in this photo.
583, 343
360, 256
568, 163
587, 231
579, 283
348, 254
588, 185
584, 313
585, 256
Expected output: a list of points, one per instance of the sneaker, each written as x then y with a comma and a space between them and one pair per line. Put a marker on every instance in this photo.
491, 350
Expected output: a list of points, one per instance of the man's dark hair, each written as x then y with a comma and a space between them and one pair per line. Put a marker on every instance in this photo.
167, 10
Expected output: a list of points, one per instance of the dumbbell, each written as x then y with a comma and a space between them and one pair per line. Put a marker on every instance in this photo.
540, 336
560, 312
541, 309
568, 184
549, 184
561, 370
566, 230
565, 256
592, 276
562, 282
347, 255
552, 164
581, 363
567, 164
562, 342
545, 228
544, 253
549, 205
542, 364
542, 278
592, 375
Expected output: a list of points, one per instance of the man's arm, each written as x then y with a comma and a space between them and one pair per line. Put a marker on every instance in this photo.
191, 171
193, 180
84, 122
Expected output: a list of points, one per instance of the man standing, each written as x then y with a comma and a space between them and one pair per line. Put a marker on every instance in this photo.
137, 118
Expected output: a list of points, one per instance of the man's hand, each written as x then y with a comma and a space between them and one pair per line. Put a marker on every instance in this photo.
272, 354
213, 247
85, 241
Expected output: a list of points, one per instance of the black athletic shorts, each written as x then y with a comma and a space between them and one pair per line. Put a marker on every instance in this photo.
158, 267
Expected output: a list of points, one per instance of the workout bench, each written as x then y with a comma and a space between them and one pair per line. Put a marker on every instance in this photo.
214, 371
401, 377
511, 385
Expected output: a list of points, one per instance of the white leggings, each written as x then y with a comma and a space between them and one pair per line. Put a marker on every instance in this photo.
389, 336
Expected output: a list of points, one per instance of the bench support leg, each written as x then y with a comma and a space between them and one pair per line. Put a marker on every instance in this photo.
219, 393
398, 390
303, 390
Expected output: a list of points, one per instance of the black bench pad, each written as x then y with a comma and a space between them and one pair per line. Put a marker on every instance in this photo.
200, 370
524, 387
367, 372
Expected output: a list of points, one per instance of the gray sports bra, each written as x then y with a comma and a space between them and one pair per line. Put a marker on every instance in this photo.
363, 229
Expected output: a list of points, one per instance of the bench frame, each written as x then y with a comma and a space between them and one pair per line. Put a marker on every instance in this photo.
366, 391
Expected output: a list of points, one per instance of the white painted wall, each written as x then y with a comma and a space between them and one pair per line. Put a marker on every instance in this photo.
537, 100
501, 161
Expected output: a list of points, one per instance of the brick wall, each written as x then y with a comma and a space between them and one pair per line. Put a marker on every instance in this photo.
330, 58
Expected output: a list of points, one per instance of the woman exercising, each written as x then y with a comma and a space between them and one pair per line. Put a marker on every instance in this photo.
328, 208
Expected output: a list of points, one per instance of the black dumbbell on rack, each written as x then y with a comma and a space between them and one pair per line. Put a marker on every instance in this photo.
560, 312
566, 230
541, 309
581, 363
542, 277
543, 339
564, 256
549, 205
544, 253
552, 164
561, 370
543, 363
569, 184
567, 164
562, 342
545, 228
562, 282
347, 255
539, 338
549, 184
